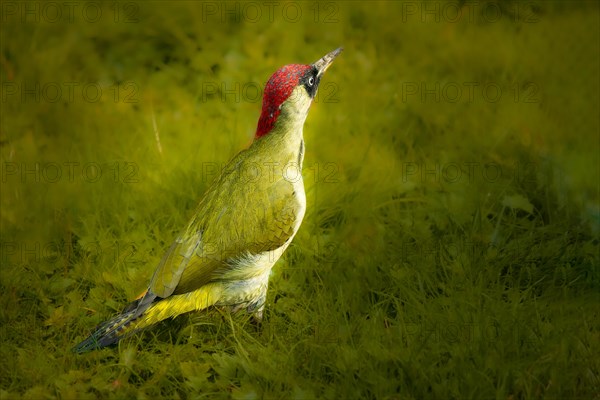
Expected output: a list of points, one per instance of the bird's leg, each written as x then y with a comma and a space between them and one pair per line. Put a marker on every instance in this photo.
258, 315
235, 308
257, 307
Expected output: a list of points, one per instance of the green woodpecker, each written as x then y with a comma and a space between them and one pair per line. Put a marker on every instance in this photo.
242, 225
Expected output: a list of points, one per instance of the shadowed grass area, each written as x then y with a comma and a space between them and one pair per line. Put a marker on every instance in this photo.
450, 247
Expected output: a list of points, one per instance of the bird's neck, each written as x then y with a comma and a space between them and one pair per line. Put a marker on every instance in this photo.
285, 140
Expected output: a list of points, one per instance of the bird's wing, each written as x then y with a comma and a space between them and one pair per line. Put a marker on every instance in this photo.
171, 266
232, 220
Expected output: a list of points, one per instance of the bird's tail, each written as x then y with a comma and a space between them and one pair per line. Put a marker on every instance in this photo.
145, 312
113, 330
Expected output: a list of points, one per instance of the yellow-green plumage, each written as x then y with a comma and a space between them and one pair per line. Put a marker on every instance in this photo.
241, 227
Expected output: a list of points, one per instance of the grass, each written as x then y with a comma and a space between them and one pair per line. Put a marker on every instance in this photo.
450, 247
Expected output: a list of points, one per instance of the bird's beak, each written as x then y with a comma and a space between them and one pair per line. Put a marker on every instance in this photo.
324, 63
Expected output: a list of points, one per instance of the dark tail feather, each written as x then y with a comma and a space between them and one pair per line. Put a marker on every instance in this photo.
109, 332
106, 333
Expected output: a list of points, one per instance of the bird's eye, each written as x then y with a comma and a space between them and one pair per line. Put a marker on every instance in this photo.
311, 81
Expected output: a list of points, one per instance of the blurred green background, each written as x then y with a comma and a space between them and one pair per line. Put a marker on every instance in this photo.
450, 247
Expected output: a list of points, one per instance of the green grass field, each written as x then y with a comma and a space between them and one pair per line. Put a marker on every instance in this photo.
450, 248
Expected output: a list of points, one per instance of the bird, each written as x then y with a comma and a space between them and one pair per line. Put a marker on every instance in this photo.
243, 223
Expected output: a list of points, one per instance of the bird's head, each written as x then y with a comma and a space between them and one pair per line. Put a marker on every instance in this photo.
289, 93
